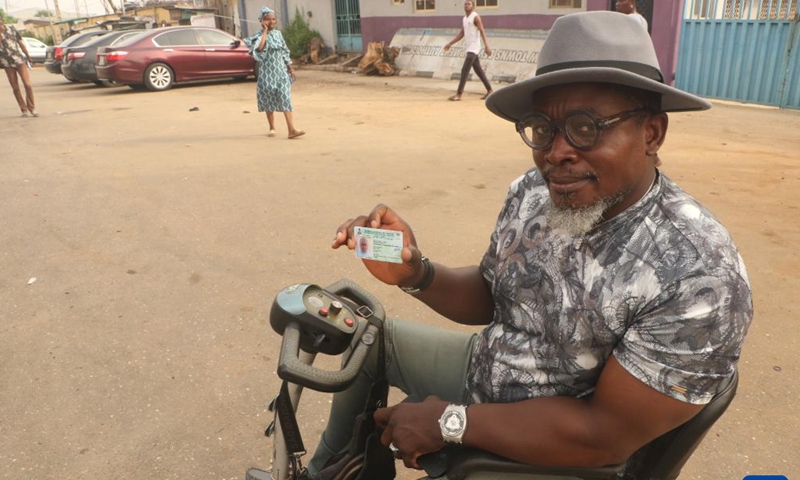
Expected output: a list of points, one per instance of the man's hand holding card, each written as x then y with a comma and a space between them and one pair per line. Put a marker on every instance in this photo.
386, 245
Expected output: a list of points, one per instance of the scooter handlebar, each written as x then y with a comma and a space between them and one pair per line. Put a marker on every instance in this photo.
292, 369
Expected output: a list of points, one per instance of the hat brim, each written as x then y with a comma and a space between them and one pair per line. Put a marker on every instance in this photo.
510, 102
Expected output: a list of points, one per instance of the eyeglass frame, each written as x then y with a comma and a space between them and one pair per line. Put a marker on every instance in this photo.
601, 124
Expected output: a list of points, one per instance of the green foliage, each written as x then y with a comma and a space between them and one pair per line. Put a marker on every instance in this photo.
7, 18
44, 14
298, 35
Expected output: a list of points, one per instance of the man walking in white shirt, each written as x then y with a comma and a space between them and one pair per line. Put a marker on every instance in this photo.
471, 27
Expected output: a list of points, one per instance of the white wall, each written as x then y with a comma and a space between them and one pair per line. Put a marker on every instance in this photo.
322, 17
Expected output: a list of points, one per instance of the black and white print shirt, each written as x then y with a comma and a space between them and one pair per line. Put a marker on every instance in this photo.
661, 286
10, 53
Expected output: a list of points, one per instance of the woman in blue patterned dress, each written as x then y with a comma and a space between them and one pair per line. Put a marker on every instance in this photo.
275, 72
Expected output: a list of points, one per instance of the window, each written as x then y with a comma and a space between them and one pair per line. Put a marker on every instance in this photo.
213, 37
566, 3
398, 2
425, 5
485, 3
176, 38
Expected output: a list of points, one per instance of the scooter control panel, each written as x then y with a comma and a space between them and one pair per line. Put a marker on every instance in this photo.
327, 323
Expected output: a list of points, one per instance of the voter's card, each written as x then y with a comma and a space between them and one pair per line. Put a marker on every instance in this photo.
377, 244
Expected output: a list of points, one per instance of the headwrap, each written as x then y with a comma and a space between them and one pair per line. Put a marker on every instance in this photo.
265, 11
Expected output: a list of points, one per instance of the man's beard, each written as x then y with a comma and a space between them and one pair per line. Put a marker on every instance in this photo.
577, 222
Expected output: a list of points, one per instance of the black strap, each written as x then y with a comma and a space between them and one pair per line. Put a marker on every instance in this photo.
289, 427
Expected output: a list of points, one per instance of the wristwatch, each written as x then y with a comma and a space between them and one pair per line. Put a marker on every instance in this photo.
425, 282
453, 423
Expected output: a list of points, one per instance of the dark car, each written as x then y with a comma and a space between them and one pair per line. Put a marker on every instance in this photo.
52, 61
166, 56
79, 62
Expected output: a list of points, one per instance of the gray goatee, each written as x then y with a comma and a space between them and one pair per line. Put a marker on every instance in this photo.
577, 221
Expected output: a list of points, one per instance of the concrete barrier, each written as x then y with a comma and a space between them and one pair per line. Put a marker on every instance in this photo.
514, 53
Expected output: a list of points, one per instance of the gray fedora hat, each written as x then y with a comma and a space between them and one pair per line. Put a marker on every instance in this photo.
606, 47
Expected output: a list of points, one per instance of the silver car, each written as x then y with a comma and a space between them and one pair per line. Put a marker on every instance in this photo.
36, 48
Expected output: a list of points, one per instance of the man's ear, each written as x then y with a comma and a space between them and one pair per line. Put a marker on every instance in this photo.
655, 132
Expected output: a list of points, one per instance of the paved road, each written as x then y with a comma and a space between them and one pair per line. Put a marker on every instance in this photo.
158, 236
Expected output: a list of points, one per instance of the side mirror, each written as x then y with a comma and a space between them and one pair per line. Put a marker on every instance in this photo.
236, 43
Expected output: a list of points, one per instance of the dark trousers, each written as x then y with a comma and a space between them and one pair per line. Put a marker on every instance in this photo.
472, 62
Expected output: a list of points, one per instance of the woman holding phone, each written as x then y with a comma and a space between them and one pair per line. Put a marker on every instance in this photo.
14, 59
275, 72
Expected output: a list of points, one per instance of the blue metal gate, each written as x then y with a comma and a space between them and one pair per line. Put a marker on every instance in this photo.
348, 26
744, 50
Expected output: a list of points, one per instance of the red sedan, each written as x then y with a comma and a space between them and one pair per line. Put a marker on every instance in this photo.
159, 58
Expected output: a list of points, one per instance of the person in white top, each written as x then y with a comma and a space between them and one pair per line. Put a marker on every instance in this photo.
628, 7
470, 28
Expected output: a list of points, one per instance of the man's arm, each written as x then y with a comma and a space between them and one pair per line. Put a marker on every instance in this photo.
479, 24
460, 294
623, 415
22, 45
455, 40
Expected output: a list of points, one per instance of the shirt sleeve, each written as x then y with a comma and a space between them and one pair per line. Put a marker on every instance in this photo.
252, 43
284, 49
687, 341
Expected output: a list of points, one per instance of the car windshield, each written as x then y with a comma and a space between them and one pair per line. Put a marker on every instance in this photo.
81, 39
124, 38
33, 42
130, 37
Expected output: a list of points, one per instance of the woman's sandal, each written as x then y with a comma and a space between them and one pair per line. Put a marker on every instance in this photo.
455, 98
271, 133
297, 133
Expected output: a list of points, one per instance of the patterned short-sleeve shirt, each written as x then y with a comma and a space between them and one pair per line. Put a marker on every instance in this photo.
660, 286
11, 54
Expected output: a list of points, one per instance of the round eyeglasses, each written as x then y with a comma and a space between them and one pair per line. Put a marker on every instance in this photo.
581, 128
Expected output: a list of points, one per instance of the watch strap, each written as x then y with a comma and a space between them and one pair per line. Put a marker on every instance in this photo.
425, 281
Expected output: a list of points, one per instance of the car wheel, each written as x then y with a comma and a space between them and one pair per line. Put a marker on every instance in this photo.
158, 77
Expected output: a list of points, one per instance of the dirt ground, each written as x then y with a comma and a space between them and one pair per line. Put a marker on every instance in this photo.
142, 245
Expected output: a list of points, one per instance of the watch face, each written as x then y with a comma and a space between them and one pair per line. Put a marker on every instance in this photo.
453, 423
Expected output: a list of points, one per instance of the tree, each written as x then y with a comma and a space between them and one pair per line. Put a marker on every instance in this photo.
7, 18
298, 35
44, 14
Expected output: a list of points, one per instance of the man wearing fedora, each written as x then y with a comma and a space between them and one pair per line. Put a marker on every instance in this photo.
615, 305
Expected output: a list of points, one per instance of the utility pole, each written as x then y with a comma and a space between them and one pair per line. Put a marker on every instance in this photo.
56, 36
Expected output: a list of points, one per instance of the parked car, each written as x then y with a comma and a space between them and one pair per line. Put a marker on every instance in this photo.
36, 48
163, 57
55, 54
79, 62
